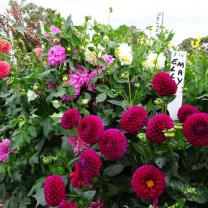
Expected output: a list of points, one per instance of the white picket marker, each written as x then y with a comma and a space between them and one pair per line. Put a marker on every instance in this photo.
12, 52
159, 22
177, 72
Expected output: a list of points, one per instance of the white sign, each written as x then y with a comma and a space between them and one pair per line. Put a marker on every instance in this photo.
159, 22
177, 72
12, 52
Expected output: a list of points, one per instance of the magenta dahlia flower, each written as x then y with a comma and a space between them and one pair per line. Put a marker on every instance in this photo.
113, 144
90, 129
195, 129
68, 204
5, 148
70, 118
90, 163
134, 119
54, 190
185, 111
77, 144
88, 166
163, 84
4, 69
54, 29
156, 125
5, 46
56, 55
107, 58
148, 182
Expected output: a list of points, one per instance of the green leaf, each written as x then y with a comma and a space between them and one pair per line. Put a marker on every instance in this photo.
113, 170
56, 104
33, 131
101, 97
89, 195
47, 126
39, 196
31, 95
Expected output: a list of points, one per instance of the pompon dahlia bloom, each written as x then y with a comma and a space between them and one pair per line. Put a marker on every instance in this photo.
5, 146
88, 166
68, 204
113, 144
185, 111
5, 46
56, 55
77, 144
195, 129
90, 129
51, 85
134, 119
156, 125
163, 84
148, 182
4, 69
90, 163
54, 190
70, 118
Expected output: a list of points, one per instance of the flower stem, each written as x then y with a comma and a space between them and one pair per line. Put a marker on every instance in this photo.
129, 86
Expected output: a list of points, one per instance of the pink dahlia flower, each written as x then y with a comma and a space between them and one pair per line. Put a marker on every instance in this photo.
54, 29
113, 144
77, 144
107, 58
56, 55
195, 129
156, 126
54, 190
90, 129
70, 118
4, 69
163, 84
134, 119
185, 111
148, 182
5, 148
5, 46
38, 51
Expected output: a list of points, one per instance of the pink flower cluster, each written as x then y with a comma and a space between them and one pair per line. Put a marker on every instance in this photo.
4, 150
82, 78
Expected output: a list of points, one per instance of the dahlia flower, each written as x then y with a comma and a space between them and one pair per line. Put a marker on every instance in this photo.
156, 127
5, 146
107, 58
148, 182
124, 54
185, 111
113, 144
4, 69
5, 46
195, 129
91, 56
90, 129
88, 166
56, 55
155, 60
134, 119
54, 29
163, 84
54, 190
38, 51
77, 144
68, 204
70, 118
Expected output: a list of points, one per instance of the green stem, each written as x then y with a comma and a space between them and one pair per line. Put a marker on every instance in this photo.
129, 87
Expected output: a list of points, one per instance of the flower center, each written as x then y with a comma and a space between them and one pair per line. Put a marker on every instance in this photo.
150, 183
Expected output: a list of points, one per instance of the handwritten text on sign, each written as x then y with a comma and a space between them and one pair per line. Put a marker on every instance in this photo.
177, 72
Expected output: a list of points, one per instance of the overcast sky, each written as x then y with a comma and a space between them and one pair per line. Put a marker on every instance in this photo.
187, 18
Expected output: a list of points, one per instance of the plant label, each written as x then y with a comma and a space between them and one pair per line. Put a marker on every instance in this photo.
177, 72
159, 22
